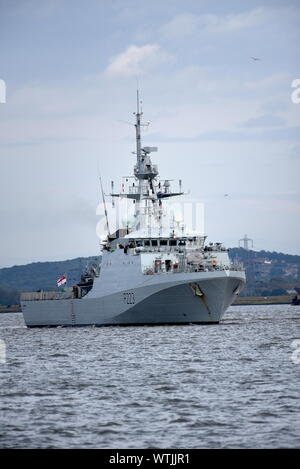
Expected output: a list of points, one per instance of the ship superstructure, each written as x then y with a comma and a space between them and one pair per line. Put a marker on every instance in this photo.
155, 272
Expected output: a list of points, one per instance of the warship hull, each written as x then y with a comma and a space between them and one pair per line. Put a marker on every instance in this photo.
200, 297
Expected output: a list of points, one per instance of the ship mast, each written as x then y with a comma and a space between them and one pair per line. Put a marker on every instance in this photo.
138, 156
138, 128
149, 191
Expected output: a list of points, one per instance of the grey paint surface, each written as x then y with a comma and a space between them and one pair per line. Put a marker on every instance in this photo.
126, 296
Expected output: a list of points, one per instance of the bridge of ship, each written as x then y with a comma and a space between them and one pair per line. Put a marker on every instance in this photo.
175, 254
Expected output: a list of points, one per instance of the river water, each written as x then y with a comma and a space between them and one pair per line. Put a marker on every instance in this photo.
233, 385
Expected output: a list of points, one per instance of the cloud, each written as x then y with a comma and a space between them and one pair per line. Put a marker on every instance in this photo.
295, 152
136, 60
186, 24
235, 22
267, 120
34, 8
181, 25
274, 80
288, 134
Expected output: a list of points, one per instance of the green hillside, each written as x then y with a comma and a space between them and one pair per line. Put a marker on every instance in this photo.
38, 276
268, 273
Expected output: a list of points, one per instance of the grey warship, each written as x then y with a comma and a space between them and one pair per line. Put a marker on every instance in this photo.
156, 272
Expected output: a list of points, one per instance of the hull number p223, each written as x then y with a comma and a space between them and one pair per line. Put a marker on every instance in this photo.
128, 298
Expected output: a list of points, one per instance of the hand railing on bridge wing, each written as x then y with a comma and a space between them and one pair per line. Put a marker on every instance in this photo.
190, 268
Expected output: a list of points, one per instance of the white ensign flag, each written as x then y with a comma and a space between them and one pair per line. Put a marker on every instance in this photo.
62, 280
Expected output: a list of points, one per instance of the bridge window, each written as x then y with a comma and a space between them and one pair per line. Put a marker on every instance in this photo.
146, 242
154, 242
173, 242
164, 242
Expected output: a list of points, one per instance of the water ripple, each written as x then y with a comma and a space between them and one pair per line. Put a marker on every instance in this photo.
232, 385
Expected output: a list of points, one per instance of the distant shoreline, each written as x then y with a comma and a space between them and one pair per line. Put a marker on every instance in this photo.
10, 309
263, 300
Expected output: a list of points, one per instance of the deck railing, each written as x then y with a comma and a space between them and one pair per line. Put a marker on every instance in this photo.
190, 268
46, 295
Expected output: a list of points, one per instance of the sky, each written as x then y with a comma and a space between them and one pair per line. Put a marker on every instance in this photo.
223, 122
